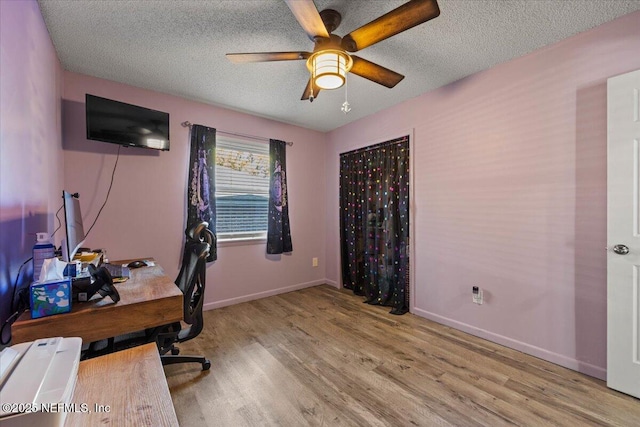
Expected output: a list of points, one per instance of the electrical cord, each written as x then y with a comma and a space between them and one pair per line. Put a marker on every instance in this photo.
59, 222
16, 313
108, 192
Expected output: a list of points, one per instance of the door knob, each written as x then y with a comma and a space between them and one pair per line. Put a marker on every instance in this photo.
621, 249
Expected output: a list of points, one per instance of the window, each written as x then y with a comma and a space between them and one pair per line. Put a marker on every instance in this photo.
242, 189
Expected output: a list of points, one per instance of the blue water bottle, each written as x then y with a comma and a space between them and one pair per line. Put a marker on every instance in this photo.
42, 250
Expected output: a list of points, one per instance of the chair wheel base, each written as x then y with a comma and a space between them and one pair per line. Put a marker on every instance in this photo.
170, 360
175, 351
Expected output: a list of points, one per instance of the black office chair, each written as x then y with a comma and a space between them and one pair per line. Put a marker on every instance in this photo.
191, 281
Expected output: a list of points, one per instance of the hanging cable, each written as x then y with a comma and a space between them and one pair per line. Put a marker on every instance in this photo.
108, 192
16, 311
59, 222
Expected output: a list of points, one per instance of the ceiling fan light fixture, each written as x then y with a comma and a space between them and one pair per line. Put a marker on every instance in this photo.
329, 68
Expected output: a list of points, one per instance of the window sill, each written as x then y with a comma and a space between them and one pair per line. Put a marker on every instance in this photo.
242, 241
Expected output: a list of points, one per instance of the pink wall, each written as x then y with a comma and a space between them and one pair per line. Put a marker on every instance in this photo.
509, 186
31, 160
510, 195
145, 214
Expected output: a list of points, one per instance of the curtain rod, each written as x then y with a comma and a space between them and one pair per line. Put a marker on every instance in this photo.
398, 140
259, 138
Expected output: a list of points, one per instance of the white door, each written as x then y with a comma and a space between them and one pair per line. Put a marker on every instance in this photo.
623, 233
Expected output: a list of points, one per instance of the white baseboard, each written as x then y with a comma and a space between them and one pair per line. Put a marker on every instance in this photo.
558, 359
331, 283
258, 295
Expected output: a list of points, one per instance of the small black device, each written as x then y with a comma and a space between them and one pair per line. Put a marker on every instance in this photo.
137, 264
126, 124
100, 281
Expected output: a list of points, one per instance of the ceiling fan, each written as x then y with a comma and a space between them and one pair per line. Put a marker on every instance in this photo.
330, 61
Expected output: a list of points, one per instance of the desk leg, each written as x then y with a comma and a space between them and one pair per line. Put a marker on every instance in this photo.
92, 351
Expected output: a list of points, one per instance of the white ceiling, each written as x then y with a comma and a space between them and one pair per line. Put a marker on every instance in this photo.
178, 47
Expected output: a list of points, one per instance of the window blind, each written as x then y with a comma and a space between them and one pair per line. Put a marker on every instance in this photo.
242, 188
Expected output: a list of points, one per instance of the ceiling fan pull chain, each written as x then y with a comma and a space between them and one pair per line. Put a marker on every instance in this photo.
311, 83
346, 107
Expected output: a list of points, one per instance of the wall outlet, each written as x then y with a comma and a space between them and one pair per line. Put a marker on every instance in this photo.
314, 262
477, 295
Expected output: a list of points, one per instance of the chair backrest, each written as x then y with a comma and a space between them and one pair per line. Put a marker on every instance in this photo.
191, 281
199, 231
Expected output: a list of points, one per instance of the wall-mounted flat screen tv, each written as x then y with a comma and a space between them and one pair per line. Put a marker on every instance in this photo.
126, 124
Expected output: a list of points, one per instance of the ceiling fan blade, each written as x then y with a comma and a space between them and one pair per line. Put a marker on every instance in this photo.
307, 91
374, 72
307, 15
407, 16
239, 58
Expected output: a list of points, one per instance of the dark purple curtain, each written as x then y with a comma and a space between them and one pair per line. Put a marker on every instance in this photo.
201, 191
278, 230
374, 223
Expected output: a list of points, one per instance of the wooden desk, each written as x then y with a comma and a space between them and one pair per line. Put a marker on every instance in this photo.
149, 298
131, 383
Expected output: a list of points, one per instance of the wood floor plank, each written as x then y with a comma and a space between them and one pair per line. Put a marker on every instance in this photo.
319, 356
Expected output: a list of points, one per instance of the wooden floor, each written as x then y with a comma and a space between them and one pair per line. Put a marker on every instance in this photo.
320, 356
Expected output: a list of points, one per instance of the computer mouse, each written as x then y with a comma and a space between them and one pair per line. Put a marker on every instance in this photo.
137, 264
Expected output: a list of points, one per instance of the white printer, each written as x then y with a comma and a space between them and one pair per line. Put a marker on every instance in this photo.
37, 380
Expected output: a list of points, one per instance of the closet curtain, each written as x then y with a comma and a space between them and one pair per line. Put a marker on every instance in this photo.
374, 223
201, 191
278, 229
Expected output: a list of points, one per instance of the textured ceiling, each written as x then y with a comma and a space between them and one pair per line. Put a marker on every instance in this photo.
178, 47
